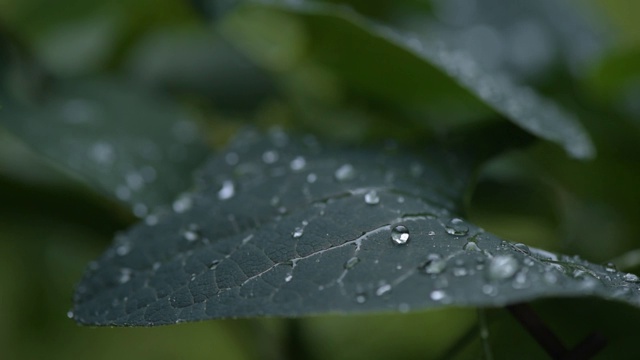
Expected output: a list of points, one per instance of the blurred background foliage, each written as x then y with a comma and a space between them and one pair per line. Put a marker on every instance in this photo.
227, 68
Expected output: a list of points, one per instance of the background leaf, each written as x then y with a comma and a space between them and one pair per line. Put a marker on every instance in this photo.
328, 231
361, 52
131, 145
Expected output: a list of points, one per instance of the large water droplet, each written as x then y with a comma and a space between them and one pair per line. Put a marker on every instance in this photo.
400, 235
297, 233
227, 190
345, 172
371, 197
503, 267
298, 163
456, 227
383, 289
351, 263
633, 278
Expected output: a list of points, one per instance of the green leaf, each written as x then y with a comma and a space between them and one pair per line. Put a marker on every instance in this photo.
397, 67
128, 144
285, 227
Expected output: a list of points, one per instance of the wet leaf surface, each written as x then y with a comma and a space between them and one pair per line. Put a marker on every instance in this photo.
128, 144
287, 227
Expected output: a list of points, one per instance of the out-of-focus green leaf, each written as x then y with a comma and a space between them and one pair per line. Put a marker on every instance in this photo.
395, 67
136, 147
328, 230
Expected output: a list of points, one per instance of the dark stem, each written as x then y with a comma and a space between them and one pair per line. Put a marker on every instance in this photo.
294, 346
538, 330
463, 341
588, 348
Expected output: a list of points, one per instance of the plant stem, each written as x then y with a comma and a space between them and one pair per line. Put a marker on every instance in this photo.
484, 334
294, 346
538, 330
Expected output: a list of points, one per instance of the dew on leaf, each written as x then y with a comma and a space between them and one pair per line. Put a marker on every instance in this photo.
311, 178
125, 275
140, 210
123, 249
192, 233
102, 153
288, 277
182, 204
633, 278
489, 289
431, 233
471, 246
383, 289
227, 190
151, 220
297, 233
522, 248
371, 197
70, 314
361, 298
214, 263
434, 265
610, 267
400, 235
270, 157
345, 172
298, 163
438, 295
503, 267
456, 227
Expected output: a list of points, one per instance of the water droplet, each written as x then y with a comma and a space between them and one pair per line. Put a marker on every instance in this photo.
400, 235
456, 227
371, 197
460, 271
471, 246
521, 280
361, 298
231, 158
383, 289
434, 264
550, 278
503, 267
182, 204
288, 277
270, 157
70, 314
633, 278
297, 233
102, 153
125, 275
123, 249
431, 233
298, 163
522, 248
151, 220
311, 178
345, 172
192, 233
438, 295
351, 263
156, 266
123, 193
610, 267
404, 308
227, 190
489, 289
400, 199
214, 264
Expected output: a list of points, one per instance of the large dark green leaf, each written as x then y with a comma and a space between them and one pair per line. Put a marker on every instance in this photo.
286, 227
393, 66
128, 144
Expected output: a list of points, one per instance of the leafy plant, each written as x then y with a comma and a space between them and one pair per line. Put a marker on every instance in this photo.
343, 154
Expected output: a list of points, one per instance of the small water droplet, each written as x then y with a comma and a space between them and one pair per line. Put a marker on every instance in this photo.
70, 314
633, 278
471, 246
182, 204
438, 295
297, 233
351, 263
311, 178
361, 298
192, 233
521, 280
123, 249
503, 267
125, 275
460, 271
227, 190
610, 267
434, 264
214, 264
383, 289
400, 199
156, 266
231, 158
456, 227
489, 289
298, 163
371, 197
151, 220
270, 157
400, 235
522, 248
345, 172
102, 153
288, 277
431, 233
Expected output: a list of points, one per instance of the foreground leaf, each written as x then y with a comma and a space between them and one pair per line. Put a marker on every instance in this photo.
128, 144
284, 227
393, 66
